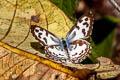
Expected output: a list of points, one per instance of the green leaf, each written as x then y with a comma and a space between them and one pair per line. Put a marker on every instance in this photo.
103, 34
105, 47
113, 19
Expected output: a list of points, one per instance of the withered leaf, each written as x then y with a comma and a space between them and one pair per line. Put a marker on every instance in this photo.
14, 66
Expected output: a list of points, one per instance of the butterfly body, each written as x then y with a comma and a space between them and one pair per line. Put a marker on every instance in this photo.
65, 44
74, 48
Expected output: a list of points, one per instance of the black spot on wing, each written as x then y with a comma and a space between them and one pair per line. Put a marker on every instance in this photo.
53, 53
71, 46
45, 40
41, 29
36, 30
86, 19
74, 54
52, 47
61, 55
39, 35
81, 52
57, 48
85, 23
57, 77
83, 31
80, 20
47, 33
78, 27
75, 46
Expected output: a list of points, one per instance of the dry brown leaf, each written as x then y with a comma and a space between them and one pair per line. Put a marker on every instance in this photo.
104, 70
107, 69
14, 66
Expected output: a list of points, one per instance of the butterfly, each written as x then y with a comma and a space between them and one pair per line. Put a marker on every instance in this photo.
74, 48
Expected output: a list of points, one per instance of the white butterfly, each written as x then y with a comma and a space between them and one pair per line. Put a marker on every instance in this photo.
74, 48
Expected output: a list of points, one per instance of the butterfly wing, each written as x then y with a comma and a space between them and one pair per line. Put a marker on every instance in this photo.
52, 44
82, 29
44, 36
56, 54
80, 49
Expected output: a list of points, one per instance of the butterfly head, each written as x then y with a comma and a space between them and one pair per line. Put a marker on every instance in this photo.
64, 42
62, 39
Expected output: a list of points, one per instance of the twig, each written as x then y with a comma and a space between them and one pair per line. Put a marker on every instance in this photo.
114, 3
